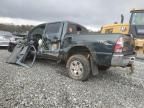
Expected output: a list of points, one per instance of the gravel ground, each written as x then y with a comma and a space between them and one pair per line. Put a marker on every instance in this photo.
140, 56
46, 85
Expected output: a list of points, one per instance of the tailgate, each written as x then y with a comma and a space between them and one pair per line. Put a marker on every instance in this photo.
128, 45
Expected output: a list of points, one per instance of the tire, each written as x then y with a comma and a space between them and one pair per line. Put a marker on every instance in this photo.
103, 68
78, 67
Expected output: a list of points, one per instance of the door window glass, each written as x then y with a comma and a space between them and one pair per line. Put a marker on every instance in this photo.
53, 28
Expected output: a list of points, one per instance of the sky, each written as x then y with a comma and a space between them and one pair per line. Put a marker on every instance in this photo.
90, 13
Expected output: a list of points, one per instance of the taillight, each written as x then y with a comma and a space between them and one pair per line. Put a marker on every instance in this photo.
119, 45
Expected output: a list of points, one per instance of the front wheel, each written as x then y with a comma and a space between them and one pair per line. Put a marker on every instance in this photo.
78, 67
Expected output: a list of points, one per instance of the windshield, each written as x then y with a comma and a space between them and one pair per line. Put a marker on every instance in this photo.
138, 19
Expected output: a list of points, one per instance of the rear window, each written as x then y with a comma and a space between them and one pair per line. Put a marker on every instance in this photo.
76, 29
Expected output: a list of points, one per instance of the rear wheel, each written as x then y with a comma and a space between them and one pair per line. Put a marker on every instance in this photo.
78, 67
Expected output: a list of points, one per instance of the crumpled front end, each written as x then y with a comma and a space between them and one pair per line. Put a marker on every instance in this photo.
21, 51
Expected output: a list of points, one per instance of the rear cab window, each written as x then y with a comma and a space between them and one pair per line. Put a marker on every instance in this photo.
76, 29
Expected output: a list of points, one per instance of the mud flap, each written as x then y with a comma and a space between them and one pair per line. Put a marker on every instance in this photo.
94, 67
20, 54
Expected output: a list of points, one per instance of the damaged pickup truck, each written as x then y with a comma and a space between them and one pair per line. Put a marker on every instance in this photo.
83, 53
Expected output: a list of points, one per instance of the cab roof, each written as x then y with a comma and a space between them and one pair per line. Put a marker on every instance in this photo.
137, 10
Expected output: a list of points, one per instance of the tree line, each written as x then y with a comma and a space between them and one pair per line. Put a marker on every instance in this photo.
15, 28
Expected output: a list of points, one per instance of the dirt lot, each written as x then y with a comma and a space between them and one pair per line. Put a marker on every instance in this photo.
47, 85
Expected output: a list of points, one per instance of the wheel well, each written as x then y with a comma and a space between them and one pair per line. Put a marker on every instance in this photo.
79, 50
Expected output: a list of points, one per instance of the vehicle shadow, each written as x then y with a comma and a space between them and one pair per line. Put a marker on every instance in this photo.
112, 75
3, 48
59, 67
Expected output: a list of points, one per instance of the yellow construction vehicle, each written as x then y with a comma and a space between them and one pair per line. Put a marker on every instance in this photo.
115, 28
135, 27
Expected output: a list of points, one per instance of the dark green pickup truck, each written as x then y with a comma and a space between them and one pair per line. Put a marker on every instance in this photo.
83, 52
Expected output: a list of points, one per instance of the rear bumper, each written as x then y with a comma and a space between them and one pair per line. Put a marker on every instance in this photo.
122, 60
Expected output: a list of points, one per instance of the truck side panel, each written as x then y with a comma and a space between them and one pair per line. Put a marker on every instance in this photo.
100, 46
